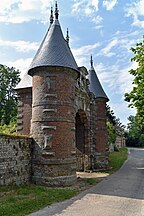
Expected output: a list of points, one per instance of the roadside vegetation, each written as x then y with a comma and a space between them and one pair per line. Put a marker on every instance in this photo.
23, 200
117, 158
135, 98
9, 78
19, 201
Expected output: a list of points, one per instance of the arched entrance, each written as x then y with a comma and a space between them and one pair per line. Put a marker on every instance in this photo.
81, 135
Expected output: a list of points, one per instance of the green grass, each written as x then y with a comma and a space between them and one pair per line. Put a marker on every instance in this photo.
91, 181
117, 158
19, 201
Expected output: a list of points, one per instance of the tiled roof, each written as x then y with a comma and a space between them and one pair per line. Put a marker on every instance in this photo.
54, 50
26, 82
95, 85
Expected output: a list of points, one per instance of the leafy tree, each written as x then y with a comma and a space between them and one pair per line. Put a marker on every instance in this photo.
114, 126
135, 133
9, 78
111, 133
110, 115
136, 96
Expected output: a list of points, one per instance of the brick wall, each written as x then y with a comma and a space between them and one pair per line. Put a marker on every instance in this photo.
99, 156
52, 126
24, 111
15, 160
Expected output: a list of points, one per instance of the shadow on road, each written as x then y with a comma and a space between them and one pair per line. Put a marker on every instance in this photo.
126, 185
128, 181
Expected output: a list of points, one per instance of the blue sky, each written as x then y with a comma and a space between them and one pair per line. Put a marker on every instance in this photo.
104, 28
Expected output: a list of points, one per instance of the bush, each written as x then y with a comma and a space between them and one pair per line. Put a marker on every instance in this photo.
116, 148
9, 129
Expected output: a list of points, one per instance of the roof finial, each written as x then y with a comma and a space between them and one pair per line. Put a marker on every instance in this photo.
51, 16
91, 61
56, 11
67, 36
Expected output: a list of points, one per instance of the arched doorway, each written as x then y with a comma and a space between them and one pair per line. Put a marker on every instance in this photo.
81, 136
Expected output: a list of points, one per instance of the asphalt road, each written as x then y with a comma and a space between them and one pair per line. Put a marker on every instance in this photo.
120, 194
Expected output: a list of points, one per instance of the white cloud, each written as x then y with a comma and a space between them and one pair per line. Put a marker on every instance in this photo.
99, 27
107, 50
109, 4
95, 4
136, 9
18, 11
85, 49
87, 8
98, 20
121, 110
83, 53
125, 79
20, 46
21, 64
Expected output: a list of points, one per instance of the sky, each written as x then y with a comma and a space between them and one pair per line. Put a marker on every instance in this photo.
107, 29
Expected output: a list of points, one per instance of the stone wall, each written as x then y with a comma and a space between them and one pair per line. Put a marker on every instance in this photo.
120, 141
15, 160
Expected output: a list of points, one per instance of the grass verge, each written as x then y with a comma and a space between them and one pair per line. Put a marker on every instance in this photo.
91, 181
19, 201
117, 158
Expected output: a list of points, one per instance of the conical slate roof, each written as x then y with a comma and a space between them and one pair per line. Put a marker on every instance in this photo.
54, 50
95, 85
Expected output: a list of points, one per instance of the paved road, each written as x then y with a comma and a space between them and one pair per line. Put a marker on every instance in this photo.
120, 194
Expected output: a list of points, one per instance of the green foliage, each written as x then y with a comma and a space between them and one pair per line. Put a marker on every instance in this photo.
135, 133
136, 96
141, 140
117, 158
116, 148
111, 133
9, 78
20, 201
91, 181
114, 126
110, 115
10, 128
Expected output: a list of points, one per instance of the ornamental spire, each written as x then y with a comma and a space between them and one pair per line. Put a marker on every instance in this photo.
51, 16
91, 61
67, 36
56, 11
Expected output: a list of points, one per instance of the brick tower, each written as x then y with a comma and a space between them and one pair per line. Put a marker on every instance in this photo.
54, 73
63, 111
98, 120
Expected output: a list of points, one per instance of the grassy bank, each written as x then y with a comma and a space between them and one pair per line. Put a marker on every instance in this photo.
117, 158
19, 201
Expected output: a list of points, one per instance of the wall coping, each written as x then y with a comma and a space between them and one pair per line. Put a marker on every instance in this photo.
15, 136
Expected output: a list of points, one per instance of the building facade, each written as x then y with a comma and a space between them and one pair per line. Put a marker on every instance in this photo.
63, 108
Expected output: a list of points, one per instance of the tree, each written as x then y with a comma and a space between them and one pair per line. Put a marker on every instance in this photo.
111, 133
135, 133
9, 78
110, 115
136, 96
114, 126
